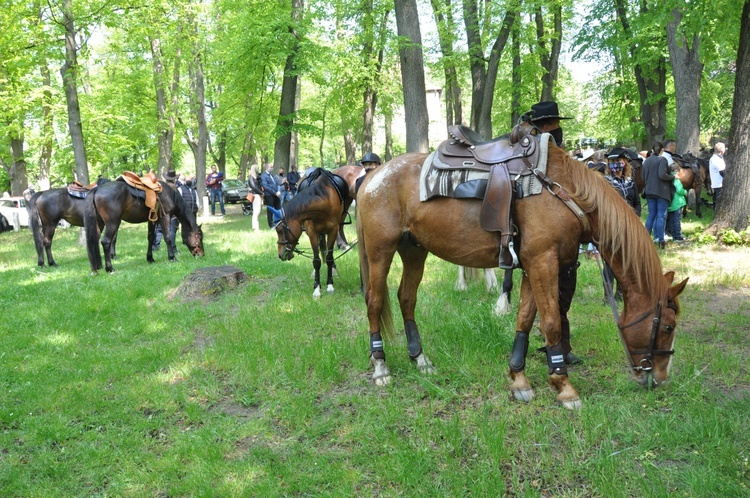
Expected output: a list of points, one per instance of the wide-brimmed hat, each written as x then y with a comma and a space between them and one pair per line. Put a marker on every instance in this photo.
545, 110
170, 175
586, 153
620, 152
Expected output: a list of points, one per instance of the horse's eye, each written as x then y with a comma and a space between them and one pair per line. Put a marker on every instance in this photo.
669, 329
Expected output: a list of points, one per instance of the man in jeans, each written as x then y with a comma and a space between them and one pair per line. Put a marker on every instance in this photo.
213, 184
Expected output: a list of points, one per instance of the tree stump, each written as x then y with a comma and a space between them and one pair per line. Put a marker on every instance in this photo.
207, 283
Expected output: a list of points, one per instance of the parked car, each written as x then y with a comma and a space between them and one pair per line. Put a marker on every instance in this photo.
234, 190
10, 207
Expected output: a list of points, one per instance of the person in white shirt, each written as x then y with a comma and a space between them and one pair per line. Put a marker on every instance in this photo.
716, 167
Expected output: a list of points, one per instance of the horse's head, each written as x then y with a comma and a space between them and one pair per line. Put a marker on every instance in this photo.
288, 233
194, 240
649, 338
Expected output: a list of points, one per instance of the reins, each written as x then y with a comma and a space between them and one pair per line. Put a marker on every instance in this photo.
647, 363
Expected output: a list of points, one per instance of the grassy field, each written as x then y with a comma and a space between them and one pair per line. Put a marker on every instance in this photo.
112, 385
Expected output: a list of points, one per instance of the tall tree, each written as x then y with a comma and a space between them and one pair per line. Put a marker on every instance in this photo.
446, 27
734, 209
549, 45
687, 70
412, 76
69, 73
285, 122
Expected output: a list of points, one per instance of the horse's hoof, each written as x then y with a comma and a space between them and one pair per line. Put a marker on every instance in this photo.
330, 289
424, 364
316, 293
573, 404
381, 376
524, 395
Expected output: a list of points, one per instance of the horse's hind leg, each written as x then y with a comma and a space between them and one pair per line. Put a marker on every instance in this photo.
329, 261
110, 233
314, 242
461, 279
413, 258
520, 385
48, 233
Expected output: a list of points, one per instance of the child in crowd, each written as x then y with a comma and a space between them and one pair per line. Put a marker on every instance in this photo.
674, 213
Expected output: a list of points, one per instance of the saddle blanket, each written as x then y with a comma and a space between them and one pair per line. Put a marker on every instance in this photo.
435, 182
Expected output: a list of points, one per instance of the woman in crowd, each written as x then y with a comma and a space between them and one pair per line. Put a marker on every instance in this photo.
658, 193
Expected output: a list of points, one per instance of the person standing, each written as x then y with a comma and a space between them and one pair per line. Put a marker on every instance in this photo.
253, 185
716, 166
674, 213
271, 192
545, 118
213, 184
658, 193
669, 148
188, 193
286, 191
293, 179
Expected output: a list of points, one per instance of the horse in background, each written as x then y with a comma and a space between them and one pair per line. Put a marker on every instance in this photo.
317, 209
391, 219
46, 209
502, 306
693, 174
110, 204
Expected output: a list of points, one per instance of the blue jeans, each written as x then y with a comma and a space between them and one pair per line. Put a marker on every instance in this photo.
657, 217
674, 224
286, 196
216, 193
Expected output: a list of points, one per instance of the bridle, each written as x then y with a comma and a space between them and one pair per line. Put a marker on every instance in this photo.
647, 362
289, 245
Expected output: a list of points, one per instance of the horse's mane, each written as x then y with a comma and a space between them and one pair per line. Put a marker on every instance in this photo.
301, 202
621, 231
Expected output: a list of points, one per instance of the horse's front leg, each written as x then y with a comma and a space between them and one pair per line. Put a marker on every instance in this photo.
520, 385
461, 279
413, 258
151, 238
545, 284
166, 231
48, 232
329, 261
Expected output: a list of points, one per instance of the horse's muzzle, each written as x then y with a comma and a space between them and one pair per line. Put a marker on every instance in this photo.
287, 255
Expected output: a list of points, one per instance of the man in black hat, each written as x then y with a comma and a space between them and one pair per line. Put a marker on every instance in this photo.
545, 117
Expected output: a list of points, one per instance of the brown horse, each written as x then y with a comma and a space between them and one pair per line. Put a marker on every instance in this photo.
391, 218
693, 174
317, 209
109, 204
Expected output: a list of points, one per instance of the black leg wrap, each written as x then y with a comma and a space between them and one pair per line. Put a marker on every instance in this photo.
376, 346
556, 360
520, 347
413, 341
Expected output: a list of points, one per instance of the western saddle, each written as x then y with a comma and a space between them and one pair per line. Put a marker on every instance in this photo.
150, 185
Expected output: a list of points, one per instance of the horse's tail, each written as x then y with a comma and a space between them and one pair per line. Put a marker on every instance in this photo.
387, 329
91, 227
36, 226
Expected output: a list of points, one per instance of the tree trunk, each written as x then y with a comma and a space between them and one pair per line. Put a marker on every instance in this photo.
388, 137
294, 148
733, 209
515, 77
69, 72
45, 154
247, 158
687, 70
446, 28
162, 125
18, 179
484, 125
651, 90
412, 76
285, 121
476, 59
550, 58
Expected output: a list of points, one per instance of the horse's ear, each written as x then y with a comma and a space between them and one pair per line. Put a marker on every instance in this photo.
676, 290
669, 277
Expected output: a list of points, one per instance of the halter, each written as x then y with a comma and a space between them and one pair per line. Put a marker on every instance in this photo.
647, 363
289, 245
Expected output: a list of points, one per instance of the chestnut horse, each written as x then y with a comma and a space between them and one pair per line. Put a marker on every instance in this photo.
693, 174
318, 209
391, 218
109, 204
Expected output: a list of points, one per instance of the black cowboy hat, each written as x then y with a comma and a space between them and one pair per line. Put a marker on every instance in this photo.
545, 110
170, 175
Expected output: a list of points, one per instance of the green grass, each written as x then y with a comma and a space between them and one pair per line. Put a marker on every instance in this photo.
112, 386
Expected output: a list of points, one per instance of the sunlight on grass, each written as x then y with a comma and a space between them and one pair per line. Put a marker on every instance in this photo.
59, 339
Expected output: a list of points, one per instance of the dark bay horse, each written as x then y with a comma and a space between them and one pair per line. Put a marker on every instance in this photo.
317, 209
46, 209
391, 218
109, 204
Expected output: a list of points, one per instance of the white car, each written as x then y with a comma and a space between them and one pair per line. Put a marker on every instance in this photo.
10, 207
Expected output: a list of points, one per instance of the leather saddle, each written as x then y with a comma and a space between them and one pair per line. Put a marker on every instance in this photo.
150, 185
506, 158
78, 190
